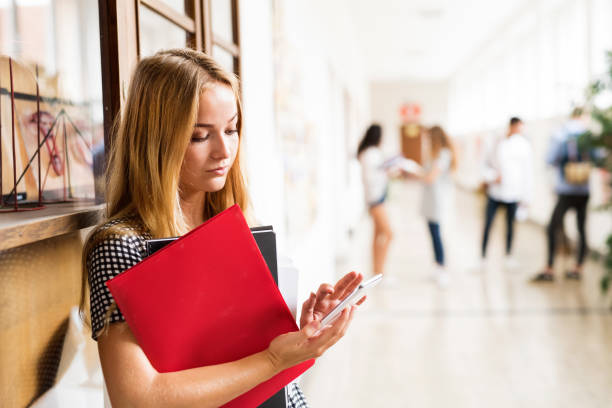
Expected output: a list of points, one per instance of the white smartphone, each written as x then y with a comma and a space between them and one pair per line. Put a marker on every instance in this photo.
351, 299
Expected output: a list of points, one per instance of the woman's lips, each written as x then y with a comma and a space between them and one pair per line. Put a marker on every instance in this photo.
219, 171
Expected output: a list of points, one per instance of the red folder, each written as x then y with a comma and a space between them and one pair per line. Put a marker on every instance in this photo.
207, 298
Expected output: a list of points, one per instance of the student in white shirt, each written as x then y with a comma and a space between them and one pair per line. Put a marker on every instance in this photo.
508, 174
375, 183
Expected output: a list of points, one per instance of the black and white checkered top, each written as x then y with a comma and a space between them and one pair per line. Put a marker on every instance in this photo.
119, 245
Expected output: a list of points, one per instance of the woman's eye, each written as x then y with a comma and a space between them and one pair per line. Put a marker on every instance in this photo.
199, 138
230, 132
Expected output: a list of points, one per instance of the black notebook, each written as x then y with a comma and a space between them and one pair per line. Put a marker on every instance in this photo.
266, 241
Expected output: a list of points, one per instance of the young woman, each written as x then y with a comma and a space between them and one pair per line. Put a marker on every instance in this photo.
175, 163
437, 193
375, 183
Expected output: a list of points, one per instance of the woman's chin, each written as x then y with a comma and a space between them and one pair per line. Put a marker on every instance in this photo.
215, 185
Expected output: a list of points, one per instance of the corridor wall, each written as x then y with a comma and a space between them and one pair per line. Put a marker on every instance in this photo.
388, 96
328, 106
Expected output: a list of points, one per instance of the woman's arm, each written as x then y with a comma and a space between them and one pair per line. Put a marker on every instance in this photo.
133, 382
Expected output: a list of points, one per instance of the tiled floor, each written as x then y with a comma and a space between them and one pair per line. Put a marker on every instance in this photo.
489, 340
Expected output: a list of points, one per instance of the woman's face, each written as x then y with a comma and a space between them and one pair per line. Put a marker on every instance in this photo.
214, 142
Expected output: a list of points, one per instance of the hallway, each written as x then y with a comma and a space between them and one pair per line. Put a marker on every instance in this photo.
491, 339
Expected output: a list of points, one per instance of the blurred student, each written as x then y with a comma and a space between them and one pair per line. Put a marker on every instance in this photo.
508, 174
573, 165
375, 183
438, 193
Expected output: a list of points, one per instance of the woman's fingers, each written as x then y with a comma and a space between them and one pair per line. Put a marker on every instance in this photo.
360, 302
350, 311
323, 294
330, 335
308, 310
324, 290
344, 282
347, 285
311, 329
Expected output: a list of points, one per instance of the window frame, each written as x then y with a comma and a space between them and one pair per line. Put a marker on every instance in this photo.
120, 44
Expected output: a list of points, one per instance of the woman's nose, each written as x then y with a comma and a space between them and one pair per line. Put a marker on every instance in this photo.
221, 148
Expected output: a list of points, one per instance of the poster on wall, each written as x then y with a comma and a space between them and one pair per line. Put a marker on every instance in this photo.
296, 133
45, 131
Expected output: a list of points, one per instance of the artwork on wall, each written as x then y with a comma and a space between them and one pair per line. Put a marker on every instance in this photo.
46, 142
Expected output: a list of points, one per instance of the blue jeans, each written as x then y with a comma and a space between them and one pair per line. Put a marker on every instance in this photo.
434, 230
492, 206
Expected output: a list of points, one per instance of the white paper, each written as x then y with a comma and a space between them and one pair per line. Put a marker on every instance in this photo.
402, 163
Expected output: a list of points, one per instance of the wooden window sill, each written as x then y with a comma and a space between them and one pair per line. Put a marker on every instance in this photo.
25, 227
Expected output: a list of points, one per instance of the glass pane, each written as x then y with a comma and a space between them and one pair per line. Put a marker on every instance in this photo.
178, 5
157, 33
65, 133
224, 58
221, 11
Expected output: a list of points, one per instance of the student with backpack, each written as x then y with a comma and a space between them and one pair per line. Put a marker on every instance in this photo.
573, 165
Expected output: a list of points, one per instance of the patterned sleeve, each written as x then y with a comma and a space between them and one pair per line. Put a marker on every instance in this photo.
295, 397
106, 260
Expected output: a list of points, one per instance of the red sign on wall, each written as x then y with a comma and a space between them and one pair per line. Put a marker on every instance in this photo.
410, 112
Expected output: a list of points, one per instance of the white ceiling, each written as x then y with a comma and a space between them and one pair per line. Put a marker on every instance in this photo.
426, 39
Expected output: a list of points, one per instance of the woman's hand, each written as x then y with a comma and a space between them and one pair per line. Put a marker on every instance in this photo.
318, 305
311, 341
406, 175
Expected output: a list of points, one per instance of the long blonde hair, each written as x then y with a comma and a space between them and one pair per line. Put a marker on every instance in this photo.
150, 141
440, 140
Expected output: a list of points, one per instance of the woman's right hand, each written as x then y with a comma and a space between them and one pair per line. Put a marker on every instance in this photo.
311, 341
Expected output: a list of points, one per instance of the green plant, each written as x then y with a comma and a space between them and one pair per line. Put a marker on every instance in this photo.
602, 138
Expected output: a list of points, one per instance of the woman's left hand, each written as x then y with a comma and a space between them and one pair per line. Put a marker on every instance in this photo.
319, 304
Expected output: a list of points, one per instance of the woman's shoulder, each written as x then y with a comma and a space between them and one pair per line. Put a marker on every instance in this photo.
372, 153
112, 248
126, 225
121, 236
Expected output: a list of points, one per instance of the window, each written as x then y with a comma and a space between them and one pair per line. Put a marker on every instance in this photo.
207, 25
51, 49
83, 53
168, 24
222, 32
156, 33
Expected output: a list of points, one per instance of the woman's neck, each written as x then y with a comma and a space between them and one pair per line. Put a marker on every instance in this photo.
192, 206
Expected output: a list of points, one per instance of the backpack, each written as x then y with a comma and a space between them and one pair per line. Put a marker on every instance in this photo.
576, 166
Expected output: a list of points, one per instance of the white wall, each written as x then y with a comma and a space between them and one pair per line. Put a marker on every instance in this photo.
536, 67
331, 67
387, 97
261, 148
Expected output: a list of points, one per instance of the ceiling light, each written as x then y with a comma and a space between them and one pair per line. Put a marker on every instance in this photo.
430, 13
